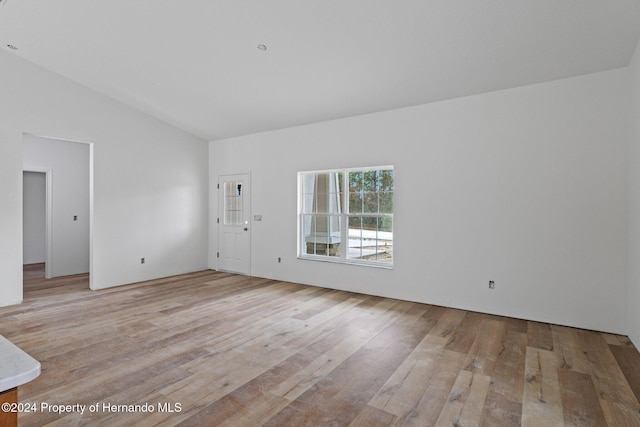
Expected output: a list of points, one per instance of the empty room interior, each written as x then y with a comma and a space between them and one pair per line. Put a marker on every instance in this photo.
357, 213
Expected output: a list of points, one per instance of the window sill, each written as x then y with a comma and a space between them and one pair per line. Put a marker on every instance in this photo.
346, 262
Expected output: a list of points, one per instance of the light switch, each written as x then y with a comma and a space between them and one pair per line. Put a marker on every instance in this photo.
257, 217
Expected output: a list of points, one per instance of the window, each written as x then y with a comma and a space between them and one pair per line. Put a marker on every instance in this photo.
233, 203
347, 215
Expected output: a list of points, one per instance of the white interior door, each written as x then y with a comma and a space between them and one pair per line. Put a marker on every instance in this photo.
234, 234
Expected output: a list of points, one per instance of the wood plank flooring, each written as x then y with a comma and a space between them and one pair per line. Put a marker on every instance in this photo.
224, 350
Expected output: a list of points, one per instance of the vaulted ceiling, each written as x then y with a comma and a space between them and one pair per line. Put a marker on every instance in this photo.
196, 63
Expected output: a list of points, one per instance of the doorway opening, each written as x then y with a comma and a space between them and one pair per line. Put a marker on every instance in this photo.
34, 220
57, 211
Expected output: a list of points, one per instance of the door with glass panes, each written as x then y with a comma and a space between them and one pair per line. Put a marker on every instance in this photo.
234, 234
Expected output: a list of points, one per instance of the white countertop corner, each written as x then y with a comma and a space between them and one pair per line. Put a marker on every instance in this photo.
16, 366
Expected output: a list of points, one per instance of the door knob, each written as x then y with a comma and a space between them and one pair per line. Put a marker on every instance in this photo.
245, 229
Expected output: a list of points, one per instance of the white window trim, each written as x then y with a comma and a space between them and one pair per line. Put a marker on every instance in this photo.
344, 218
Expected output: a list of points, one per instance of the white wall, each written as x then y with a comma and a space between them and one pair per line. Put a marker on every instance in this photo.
34, 217
634, 204
69, 166
150, 179
527, 187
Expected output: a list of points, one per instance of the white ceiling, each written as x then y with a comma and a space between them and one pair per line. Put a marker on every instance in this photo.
195, 63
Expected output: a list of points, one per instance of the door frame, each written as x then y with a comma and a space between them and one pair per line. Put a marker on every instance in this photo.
48, 235
49, 207
220, 215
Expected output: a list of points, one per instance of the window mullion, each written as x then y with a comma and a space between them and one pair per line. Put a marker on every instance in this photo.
344, 215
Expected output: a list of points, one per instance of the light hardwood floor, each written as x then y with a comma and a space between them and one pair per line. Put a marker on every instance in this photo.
229, 350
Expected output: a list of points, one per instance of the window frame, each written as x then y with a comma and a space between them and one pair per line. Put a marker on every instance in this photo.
344, 216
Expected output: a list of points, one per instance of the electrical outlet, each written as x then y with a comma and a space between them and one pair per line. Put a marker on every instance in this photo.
279, 259
141, 260
492, 284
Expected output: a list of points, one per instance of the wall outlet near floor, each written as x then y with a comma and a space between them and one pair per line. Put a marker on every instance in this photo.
279, 259
141, 260
492, 284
